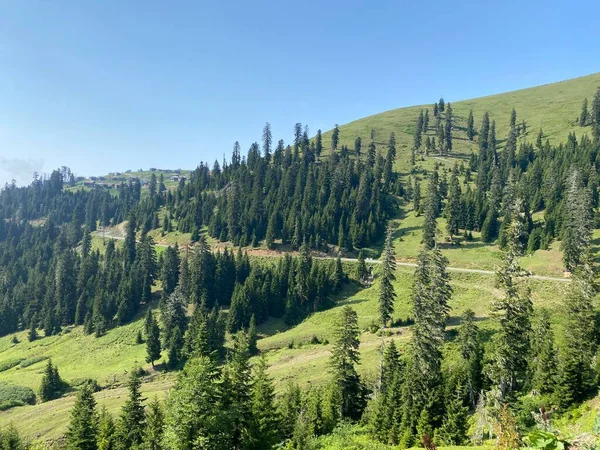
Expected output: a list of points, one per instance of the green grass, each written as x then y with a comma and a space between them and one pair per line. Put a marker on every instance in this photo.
552, 107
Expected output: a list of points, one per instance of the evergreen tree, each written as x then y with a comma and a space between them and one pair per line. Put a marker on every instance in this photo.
454, 427
387, 294
595, 118
431, 213
513, 312
52, 386
264, 430
106, 431
471, 353
83, 427
453, 210
239, 392
344, 358
580, 345
195, 416
362, 272
319, 143
372, 150
335, 138
543, 362
426, 121
577, 222
152, 339
357, 146
32, 336
583, 117
448, 129
252, 336
132, 421
470, 126
154, 426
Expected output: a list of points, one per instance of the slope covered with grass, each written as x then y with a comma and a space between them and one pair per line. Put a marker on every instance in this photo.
552, 107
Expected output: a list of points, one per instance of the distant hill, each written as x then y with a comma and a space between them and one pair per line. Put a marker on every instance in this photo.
554, 108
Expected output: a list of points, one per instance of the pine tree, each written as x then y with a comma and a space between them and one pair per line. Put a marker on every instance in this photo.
83, 427
239, 391
33, 335
362, 272
448, 129
52, 385
579, 350
430, 223
252, 336
583, 117
543, 362
319, 143
513, 312
152, 339
195, 412
472, 354
264, 429
595, 118
453, 210
577, 222
372, 150
357, 146
470, 126
454, 427
344, 358
335, 138
426, 121
387, 294
132, 421
154, 426
106, 431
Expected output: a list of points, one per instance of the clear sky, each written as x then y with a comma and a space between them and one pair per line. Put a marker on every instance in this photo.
111, 85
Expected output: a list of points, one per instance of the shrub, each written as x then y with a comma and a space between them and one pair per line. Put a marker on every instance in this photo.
14, 395
31, 361
9, 364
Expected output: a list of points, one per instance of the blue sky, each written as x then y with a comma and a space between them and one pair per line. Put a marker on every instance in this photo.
111, 85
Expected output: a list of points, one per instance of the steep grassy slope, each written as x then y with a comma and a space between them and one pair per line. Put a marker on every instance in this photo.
553, 107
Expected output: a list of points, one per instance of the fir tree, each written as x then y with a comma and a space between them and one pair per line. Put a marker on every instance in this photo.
579, 351
362, 272
32, 336
344, 358
372, 150
430, 223
387, 294
106, 431
152, 339
335, 138
470, 126
264, 429
252, 336
154, 426
195, 412
52, 385
472, 354
454, 427
577, 222
543, 362
513, 312
595, 118
83, 427
583, 117
132, 421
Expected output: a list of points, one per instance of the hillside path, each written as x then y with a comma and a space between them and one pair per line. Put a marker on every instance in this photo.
368, 261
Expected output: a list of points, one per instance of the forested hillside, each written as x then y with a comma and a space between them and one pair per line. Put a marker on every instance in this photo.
444, 368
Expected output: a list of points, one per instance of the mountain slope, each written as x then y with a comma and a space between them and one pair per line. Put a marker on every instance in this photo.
552, 107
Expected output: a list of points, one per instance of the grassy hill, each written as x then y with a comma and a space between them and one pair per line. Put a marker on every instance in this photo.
552, 107
301, 353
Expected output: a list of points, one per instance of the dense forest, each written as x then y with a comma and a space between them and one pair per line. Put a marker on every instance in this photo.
425, 392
